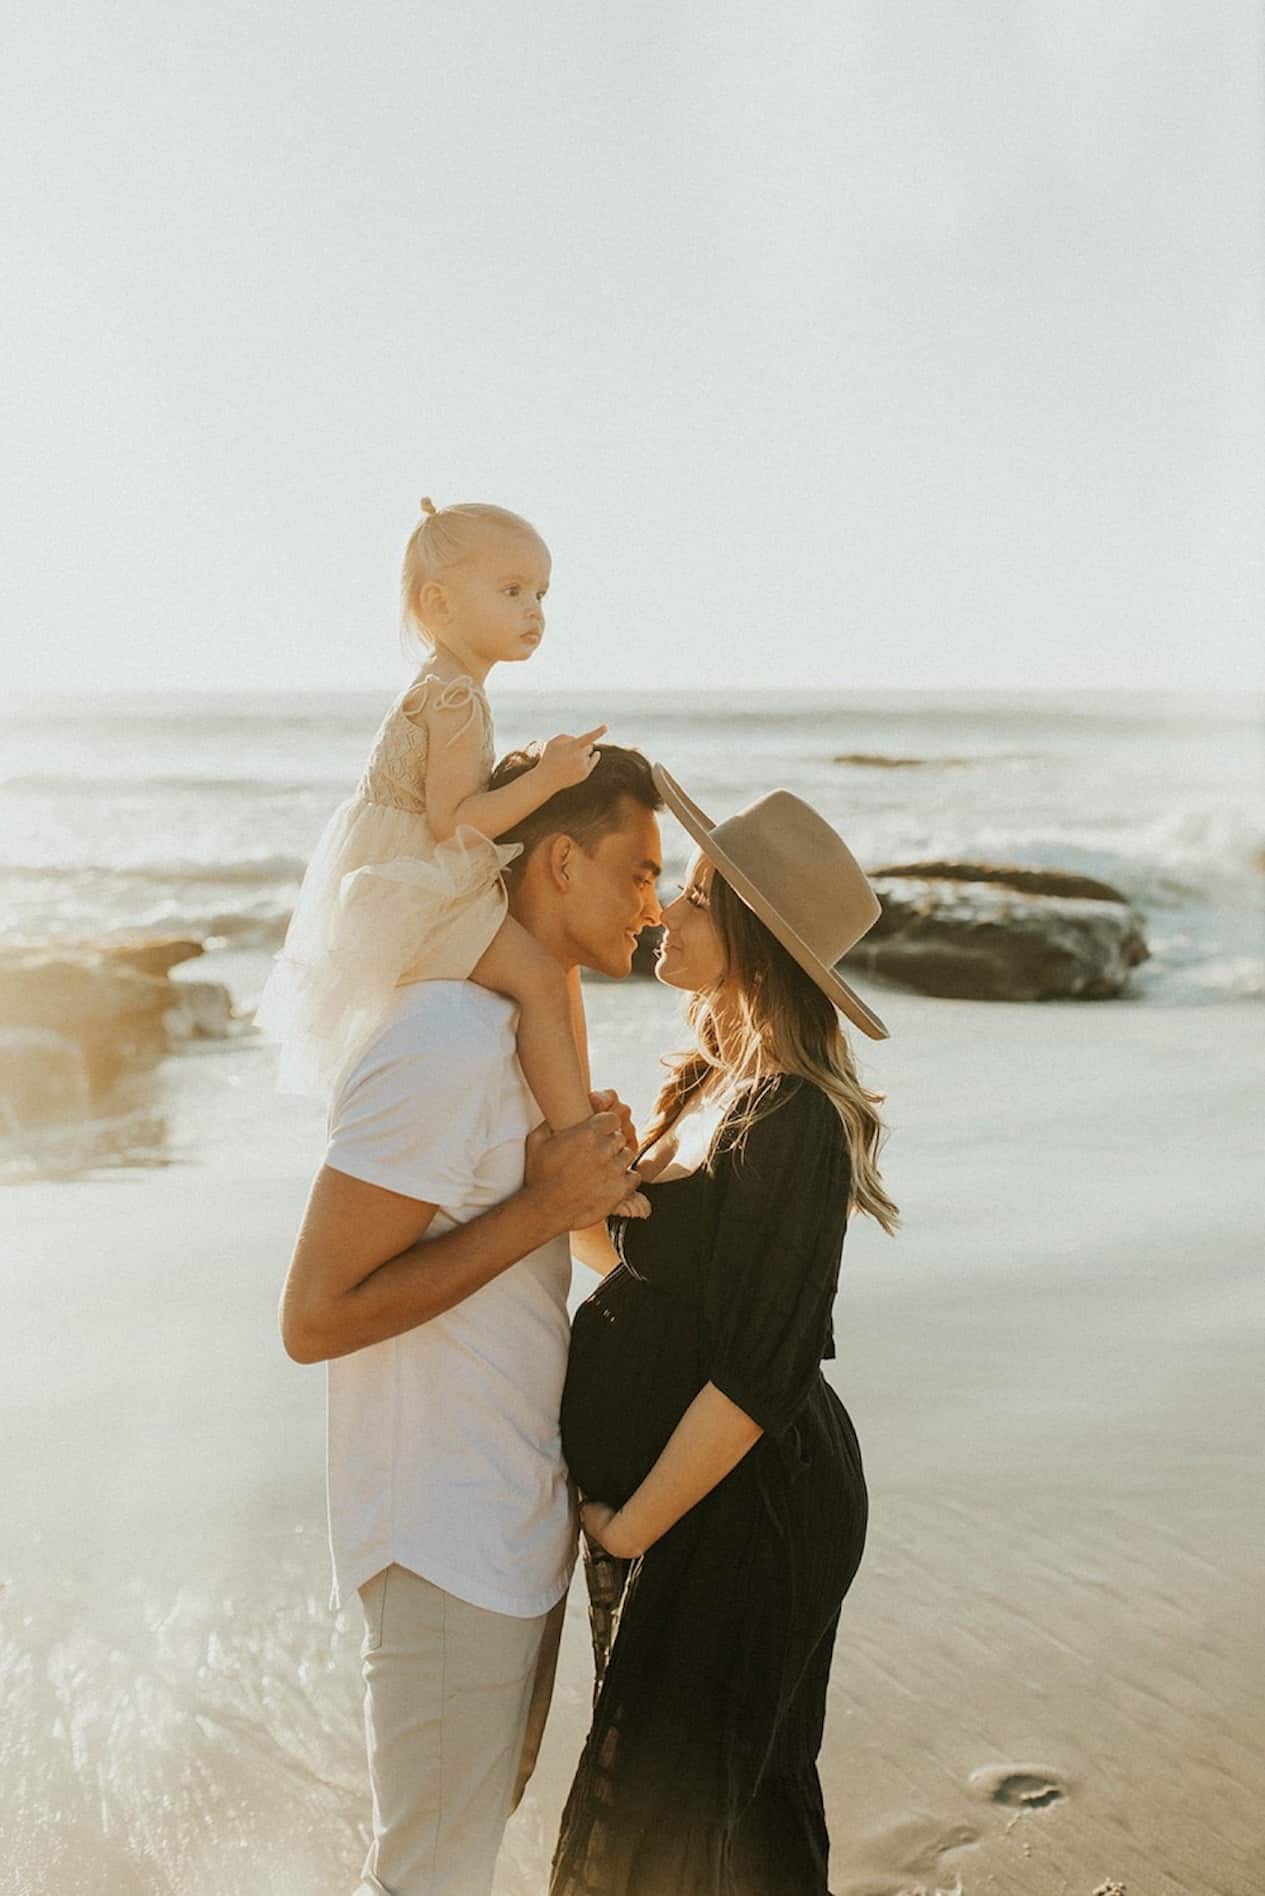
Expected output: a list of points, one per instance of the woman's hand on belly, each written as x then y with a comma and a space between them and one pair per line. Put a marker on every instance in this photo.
596, 1518
707, 1444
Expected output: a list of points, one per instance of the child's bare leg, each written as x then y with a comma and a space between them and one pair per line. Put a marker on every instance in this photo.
550, 1020
517, 966
579, 1024
636, 1205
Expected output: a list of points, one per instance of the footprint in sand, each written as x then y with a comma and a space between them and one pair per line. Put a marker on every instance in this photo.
896, 1861
1021, 1786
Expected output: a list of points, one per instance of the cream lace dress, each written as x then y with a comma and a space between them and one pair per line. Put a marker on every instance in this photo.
382, 901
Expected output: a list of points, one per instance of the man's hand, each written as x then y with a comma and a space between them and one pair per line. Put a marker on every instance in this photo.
577, 1177
636, 1205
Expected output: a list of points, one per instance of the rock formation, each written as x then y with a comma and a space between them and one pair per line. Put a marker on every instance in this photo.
75, 1015
983, 932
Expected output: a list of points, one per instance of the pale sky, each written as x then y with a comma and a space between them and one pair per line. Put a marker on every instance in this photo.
852, 344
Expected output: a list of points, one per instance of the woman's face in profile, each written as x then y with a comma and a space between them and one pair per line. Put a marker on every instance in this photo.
692, 955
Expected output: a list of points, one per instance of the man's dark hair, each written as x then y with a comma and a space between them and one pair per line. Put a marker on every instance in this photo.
587, 811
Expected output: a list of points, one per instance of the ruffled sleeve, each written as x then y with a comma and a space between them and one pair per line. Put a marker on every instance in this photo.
770, 1281
430, 696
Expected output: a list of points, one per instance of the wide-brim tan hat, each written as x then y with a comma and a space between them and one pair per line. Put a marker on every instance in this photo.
797, 875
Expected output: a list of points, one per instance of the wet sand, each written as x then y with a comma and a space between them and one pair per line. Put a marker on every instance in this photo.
1048, 1675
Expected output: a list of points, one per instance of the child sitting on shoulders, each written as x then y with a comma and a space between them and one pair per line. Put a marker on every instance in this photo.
405, 883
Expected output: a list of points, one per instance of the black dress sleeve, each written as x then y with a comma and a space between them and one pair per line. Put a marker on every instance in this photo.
771, 1277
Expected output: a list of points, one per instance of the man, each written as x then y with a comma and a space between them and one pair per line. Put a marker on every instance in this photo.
431, 1273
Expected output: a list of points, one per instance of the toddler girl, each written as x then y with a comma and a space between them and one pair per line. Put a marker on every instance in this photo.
405, 883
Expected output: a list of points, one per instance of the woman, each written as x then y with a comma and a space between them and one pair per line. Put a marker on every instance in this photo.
715, 1457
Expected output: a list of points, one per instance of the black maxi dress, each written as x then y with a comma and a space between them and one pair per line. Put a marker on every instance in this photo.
699, 1775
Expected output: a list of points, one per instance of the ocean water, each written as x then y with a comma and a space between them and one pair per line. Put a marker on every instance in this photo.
198, 812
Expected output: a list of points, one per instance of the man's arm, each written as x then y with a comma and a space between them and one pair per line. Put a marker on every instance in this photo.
361, 1271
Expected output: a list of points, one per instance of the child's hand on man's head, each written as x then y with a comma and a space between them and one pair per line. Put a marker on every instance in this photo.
568, 760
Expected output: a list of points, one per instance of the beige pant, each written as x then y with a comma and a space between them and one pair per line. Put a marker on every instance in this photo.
455, 1704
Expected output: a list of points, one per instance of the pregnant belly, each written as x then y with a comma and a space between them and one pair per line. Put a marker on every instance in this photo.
632, 1373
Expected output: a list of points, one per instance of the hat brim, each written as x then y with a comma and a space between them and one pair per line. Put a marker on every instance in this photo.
702, 829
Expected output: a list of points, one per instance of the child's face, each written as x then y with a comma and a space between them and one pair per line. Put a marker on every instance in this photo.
495, 598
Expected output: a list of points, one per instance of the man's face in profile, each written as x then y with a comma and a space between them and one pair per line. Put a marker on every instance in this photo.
612, 891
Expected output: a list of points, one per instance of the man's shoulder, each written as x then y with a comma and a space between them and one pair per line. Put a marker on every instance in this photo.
412, 1114
443, 1010
441, 1020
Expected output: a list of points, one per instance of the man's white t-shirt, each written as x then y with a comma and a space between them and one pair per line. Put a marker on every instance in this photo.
443, 1446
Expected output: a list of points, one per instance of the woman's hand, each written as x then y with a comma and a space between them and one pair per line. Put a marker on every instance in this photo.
706, 1445
601, 1524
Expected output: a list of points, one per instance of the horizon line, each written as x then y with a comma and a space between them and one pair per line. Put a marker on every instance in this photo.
1255, 690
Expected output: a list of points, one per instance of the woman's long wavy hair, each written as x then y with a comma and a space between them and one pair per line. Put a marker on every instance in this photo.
767, 1017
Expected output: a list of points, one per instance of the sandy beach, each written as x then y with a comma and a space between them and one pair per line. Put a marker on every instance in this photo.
1048, 1674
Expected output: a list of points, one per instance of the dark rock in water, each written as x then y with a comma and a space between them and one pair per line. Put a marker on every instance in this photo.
879, 760
984, 939
1029, 881
43, 1077
646, 953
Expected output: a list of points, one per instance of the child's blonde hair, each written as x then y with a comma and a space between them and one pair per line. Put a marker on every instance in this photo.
442, 538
